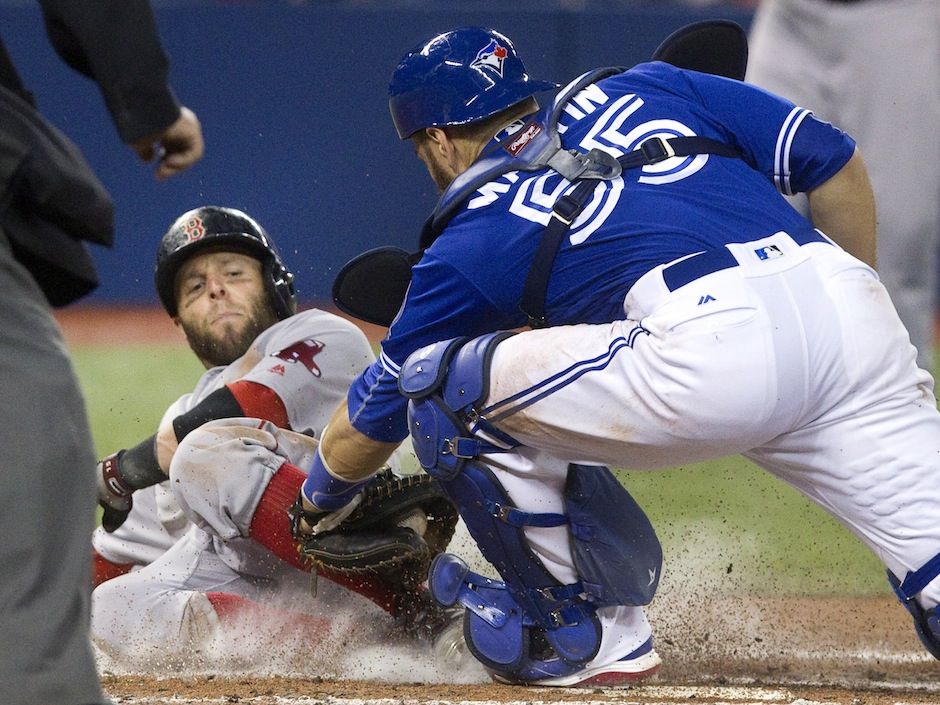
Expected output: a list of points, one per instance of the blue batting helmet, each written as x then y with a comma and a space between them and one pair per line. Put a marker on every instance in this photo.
457, 78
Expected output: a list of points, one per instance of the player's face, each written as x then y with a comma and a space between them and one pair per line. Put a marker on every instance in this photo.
222, 305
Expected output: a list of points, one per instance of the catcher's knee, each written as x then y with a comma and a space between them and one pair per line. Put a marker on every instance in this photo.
926, 620
446, 383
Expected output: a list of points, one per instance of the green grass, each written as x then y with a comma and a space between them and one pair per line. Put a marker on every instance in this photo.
735, 527
127, 389
726, 523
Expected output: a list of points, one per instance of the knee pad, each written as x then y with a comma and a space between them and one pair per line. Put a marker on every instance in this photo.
926, 621
447, 382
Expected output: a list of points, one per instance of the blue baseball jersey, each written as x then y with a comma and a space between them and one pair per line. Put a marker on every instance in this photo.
470, 280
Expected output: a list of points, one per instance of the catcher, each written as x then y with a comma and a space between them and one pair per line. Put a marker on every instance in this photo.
212, 549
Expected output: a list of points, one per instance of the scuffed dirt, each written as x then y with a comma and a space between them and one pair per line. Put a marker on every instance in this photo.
281, 690
779, 650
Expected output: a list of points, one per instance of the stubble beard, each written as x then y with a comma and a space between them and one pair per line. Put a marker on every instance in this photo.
215, 350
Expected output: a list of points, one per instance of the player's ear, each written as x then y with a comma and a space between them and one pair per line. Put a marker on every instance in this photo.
439, 140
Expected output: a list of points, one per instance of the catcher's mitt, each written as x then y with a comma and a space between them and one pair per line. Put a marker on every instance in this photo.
398, 526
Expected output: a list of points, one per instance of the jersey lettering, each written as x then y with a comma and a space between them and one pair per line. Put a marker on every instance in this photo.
584, 103
536, 195
489, 192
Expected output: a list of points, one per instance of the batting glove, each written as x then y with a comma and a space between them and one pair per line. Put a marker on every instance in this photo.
114, 494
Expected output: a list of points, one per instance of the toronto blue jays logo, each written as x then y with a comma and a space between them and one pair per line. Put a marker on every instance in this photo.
491, 57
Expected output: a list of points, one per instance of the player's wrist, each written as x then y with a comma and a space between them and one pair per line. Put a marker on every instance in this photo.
115, 494
323, 490
112, 484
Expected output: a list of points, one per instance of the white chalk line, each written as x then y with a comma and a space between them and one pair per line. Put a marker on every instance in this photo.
652, 695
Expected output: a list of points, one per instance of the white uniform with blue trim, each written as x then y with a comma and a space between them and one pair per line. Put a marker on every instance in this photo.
775, 343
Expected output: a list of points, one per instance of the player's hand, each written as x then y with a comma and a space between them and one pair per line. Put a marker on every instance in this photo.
178, 147
114, 494
306, 519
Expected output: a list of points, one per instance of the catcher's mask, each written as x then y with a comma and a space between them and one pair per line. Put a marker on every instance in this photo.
456, 78
228, 229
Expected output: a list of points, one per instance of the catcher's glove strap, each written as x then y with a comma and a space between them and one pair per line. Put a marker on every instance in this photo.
296, 513
367, 551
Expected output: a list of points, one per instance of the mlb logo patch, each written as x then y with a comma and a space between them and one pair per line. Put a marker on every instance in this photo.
769, 252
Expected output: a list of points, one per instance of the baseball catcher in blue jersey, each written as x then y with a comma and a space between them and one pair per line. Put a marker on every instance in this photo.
678, 309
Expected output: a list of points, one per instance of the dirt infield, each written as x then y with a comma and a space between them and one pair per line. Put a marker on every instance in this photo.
717, 646
297, 691
715, 649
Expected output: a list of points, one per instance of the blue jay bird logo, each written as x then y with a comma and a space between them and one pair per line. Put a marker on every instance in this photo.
491, 57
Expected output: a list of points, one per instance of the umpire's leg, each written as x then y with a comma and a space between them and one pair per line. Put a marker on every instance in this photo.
47, 504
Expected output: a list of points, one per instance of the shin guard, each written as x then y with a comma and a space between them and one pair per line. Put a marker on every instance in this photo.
528, 626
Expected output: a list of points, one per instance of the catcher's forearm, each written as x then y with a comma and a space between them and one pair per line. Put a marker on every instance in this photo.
351, 455
844, 208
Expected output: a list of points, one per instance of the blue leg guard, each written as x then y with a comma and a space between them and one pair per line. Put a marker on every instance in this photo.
926, 621
614, 546
530, 626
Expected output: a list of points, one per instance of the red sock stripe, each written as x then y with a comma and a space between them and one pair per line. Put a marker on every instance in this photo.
271, 528
228, 606
233, 610
376, 589
104, 570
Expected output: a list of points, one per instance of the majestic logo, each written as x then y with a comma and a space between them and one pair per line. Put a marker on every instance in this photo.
491, 57
194, 229
769, 252
303, 352
705, 299
526, 135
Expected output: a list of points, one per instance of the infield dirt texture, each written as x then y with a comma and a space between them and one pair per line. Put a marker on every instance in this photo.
720, 642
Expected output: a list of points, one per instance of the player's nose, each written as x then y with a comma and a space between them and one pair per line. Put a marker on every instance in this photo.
215, 285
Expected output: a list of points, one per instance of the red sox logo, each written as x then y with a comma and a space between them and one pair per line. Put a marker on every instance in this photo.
302, 352
194, 229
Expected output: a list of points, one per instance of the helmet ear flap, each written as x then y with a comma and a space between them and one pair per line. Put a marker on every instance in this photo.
279, 284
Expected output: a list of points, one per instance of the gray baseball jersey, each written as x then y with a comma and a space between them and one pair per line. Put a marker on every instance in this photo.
307, 360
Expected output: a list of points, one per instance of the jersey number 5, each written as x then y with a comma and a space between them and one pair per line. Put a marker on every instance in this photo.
536, 195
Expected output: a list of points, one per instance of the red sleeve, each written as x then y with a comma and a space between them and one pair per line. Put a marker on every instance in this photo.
258, 401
